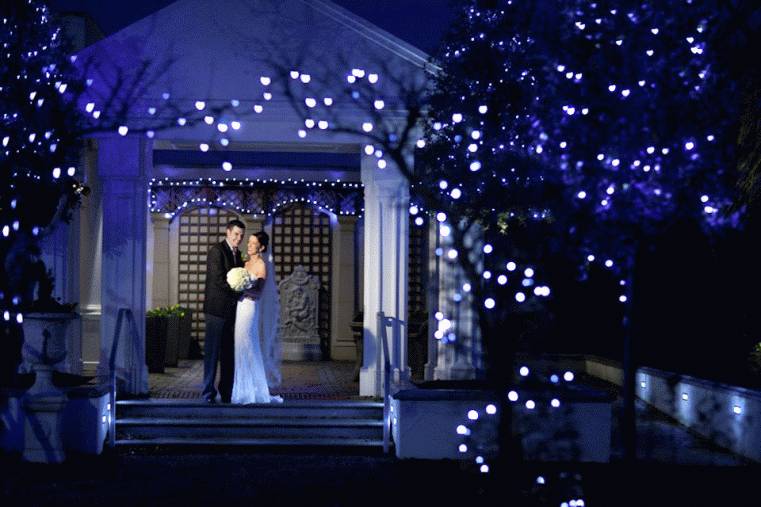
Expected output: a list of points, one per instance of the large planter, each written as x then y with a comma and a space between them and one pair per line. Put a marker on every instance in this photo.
173, 329
46, 337
44, 346
185, 336
155, 343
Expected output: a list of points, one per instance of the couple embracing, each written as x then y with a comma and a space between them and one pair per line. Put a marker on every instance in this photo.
242, 310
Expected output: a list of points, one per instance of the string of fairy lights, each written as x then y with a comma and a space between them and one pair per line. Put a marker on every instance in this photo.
302, 187
625, 172
564, 117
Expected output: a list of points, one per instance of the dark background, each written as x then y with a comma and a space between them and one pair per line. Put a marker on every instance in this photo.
419, 22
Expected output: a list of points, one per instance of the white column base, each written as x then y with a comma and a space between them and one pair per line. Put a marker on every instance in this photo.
369, 382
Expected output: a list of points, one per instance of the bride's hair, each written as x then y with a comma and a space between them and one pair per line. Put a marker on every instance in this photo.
264, 240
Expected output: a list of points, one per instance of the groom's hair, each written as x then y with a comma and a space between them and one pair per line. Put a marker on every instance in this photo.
235, 223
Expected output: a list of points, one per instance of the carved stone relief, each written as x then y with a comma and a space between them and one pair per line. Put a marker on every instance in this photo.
299, 312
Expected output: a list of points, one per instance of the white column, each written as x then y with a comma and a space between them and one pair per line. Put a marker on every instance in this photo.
60, 253
342, 290
459, 358
174, 261
123, 166
385, 280
158, 266
90, 255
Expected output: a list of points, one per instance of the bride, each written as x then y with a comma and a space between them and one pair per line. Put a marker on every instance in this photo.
257, 347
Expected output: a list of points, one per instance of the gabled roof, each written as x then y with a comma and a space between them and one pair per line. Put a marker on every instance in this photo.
219, 49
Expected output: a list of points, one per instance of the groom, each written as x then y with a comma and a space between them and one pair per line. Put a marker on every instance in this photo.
219, 306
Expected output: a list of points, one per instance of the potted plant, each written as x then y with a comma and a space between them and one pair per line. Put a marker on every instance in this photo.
156, 324
186, 332
174, 316
45, 326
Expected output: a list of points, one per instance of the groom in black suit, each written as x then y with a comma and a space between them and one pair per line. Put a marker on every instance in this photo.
219, 305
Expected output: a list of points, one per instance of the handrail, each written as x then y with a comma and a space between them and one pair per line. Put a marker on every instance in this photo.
382, 322
112, 373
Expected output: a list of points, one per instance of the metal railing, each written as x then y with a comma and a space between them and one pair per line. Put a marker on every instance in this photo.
383, 321
121, 315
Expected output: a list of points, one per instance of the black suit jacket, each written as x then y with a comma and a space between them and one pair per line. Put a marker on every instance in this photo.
219, 298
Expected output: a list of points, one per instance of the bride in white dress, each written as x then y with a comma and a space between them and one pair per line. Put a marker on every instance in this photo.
257, 346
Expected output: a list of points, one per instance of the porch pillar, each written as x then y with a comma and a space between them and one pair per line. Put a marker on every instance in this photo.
342, 297
158, 268
458, 354
385, 280
123, 165
90, 250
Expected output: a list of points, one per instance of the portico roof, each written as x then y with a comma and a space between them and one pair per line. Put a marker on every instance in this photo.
218, 51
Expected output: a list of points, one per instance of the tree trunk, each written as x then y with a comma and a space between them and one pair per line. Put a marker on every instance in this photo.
629, 416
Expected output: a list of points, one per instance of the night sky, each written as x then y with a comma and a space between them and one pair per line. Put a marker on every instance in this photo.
402, 18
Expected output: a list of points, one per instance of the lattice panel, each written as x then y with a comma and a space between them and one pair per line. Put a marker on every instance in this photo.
199, 229
301, 236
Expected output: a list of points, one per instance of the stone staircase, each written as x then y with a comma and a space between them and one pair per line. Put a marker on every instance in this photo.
182, 423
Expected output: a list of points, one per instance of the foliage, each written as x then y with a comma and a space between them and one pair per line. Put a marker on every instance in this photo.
40, 146
167, 311
755, 359
45, 302
581, 129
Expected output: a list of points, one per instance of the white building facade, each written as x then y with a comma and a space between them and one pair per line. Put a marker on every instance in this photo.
159, 198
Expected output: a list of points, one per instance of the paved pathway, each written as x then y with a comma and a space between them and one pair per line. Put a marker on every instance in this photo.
326, 380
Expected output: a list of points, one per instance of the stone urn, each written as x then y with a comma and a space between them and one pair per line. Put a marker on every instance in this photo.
44, 348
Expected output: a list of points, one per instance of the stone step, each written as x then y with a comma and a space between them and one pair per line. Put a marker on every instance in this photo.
246, 427
289, 409
194, 442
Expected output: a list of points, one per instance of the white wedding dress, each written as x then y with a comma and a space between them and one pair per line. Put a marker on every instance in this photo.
257, 347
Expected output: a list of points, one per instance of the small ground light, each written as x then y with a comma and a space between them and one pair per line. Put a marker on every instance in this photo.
540, 480
685, 397
472, 415
555, 402
492, 409
523, 371
479, 459
568, 376
643, 384
512, 396
463, 448
484, 469
462, 430
737, 410
554, 379
530, 405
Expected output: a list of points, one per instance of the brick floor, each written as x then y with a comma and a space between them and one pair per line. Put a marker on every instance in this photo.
301, 380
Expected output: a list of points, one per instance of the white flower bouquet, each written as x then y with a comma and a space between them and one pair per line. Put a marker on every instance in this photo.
239, 279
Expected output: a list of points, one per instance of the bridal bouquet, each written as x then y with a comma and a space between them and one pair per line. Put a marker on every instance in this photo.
239, 279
